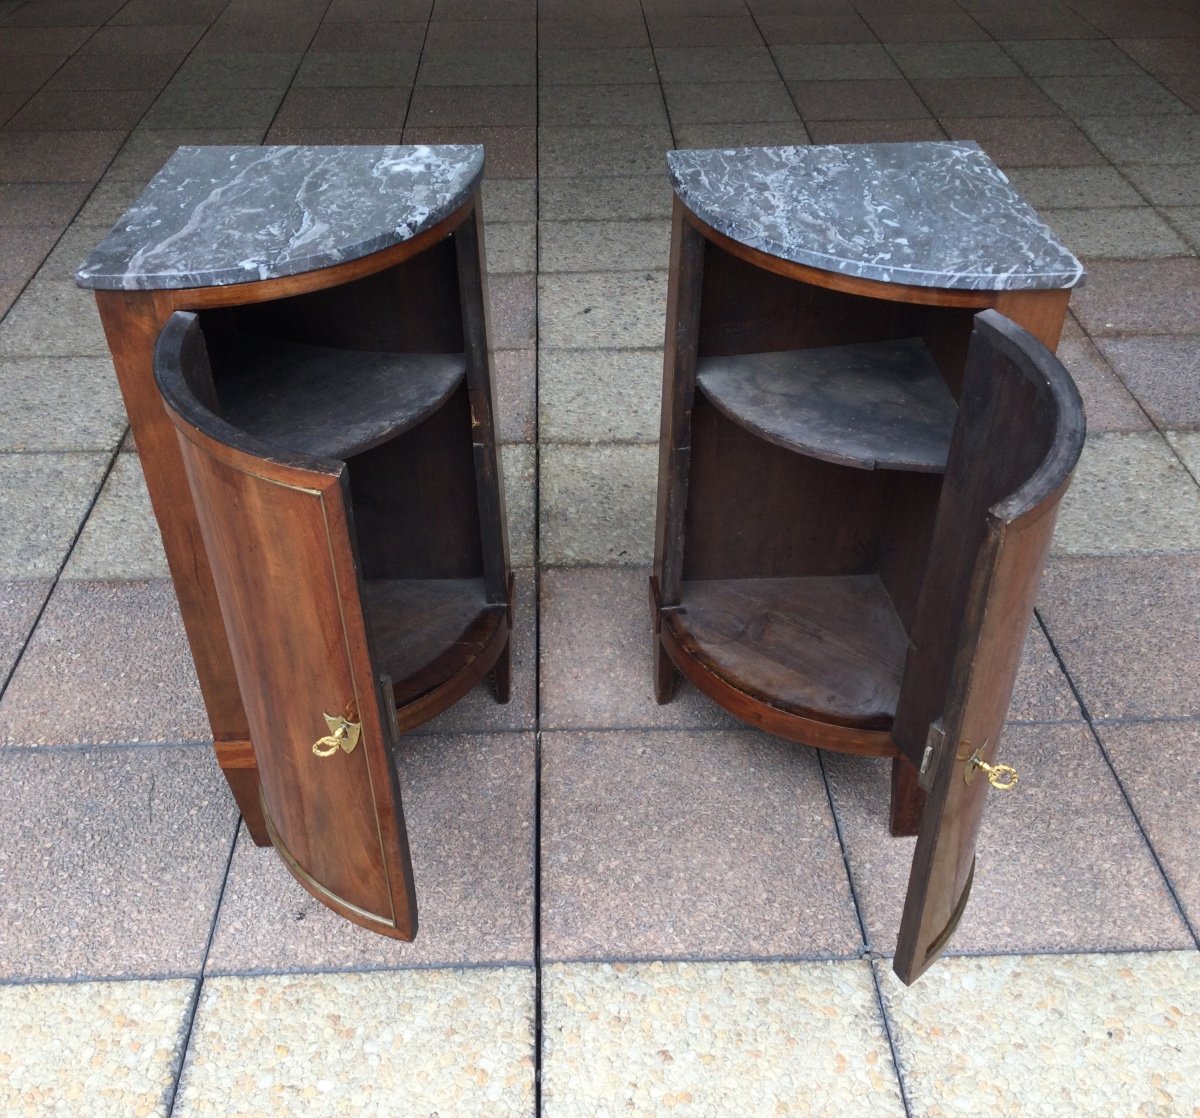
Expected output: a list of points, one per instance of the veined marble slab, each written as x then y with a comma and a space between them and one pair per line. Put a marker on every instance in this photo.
220, 215
933, 214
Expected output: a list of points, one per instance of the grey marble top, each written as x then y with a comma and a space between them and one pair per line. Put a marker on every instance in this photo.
221, 215
936, 214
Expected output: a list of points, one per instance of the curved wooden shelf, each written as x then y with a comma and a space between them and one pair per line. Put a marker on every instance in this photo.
878, 405
435, 639
331, 403
816, 660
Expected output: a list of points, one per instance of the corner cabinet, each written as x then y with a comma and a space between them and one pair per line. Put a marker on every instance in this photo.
858, 469
302, 339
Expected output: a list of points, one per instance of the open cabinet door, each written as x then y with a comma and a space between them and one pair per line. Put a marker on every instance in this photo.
1017, 439
276, 527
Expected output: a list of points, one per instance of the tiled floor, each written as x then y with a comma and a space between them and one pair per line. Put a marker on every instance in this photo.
626, 908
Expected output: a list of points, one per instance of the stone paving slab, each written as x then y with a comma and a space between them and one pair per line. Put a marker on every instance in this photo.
713, 1039
450, 1042
60, 403
1103, 1035
111, 861
110, 1049
19, 606
468, 807
1061, 863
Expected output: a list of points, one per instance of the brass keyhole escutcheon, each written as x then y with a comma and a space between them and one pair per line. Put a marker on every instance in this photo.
1001, 777
343, 734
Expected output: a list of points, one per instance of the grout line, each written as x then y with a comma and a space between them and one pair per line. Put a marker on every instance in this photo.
292, 80
1091, 724
173, 1091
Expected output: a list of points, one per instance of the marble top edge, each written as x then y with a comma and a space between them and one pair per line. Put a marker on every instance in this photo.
214, 216
936, 213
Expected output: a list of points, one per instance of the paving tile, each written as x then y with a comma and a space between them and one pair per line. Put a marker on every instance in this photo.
1026, 141
223, 107
715, 1039
1186, 219
179, 11
336, 136
1121, 95
952, 60
81, 111
113, 41
1163, 372
729, 102
102, 72
1139, 297
23, 248
430, 1042
511, 105
120, 539
516, 394
1146, 139
70, 248
596, 66
1127, 629
43, 500
147, 149
60, 403
609, 198
478, 66
1049, 22
1076, 57
477, 711
701, 833
511, 153
945, 25
494, 34
63, 13
874, 131
845, 26
1083, 1034
510, 199
107, 204
513, 302
112, 860
590, 396
343, 108
59, 41
602, 151
834, 61
116, 1044
1151, 20
609, 34
1148, 758
1083, 187
53, 319
703, 31
19, 606
597, 669
600, 246
1130, 496
1061, 863
597, 504
26, 72
627, 105
984, 97
1116, 233
382, 70
1187, 445
519, 463
264, 70
772, 133
256, 35
40, 203
678, 65
494, 9
56, 156
108, 662
1162, 56
468, 807
1107, 403
358, 11
1042, 692
600, 310
512, 247
857, 100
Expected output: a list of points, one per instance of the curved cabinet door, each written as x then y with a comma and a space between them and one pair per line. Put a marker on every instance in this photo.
1018, 437
277, 530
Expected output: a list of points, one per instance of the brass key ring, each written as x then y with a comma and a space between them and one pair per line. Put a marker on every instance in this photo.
343, 735
1001, 777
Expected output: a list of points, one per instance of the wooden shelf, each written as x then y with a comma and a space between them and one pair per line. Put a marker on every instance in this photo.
332, 403
429, 631
823, 649
877, 405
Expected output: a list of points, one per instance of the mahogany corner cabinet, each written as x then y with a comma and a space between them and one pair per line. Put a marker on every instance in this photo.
301, 337
865, 439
